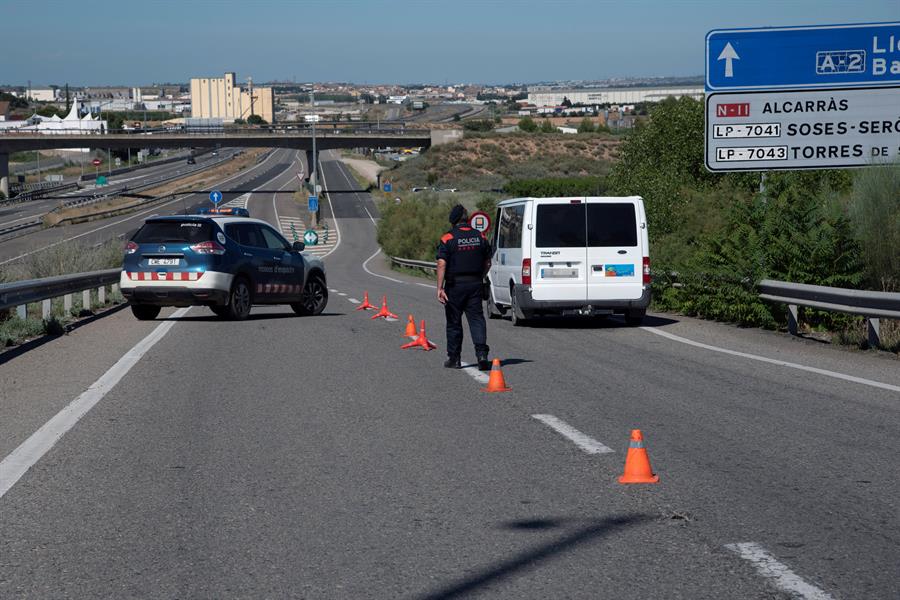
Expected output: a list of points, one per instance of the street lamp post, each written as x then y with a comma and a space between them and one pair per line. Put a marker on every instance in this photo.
313, 177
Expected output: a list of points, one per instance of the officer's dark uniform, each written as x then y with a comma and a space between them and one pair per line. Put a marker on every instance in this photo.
465, 250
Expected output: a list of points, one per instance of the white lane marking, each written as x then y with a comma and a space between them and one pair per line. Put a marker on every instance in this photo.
781, 576
353, 300
373, 274
341, 294
133, 215
473, 372
371, 218
337, 227
427, 285
773, 361
333, 291
583, 441
41, 441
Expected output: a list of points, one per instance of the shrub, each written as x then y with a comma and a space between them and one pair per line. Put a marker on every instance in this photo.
73, 257
479, 125
549, 187
875, 211
527, 125
547, 127
586, 126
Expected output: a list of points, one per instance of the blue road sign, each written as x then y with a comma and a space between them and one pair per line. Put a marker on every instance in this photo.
387, 186
831, 56
313, 204
215, 196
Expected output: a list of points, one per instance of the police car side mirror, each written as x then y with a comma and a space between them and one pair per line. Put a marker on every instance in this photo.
298, 247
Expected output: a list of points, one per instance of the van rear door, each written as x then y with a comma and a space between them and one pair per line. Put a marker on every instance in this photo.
559, 255
615, 257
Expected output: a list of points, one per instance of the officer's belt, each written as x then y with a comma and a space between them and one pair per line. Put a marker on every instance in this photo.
464, 277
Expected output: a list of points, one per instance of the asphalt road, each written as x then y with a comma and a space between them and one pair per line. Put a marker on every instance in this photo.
94, 232
312, 458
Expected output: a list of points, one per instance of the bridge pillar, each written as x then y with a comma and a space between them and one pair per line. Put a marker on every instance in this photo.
4, 174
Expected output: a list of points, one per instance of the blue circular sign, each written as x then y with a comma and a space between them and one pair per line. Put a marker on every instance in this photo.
215, 196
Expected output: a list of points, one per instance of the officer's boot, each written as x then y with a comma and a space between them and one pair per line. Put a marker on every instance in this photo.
483, 363
452, 362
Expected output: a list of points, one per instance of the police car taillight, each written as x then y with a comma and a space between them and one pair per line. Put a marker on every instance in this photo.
208, 248
131, 248
526, 271
647, 277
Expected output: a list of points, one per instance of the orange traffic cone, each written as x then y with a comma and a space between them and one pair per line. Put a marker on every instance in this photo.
637, 462
410, 328
421, 341
365, 305
496, 383
384, 313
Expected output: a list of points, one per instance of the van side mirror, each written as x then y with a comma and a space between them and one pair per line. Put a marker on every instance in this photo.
298, 247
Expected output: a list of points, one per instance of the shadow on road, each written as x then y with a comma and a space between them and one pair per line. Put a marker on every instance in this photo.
587, 533
611, 322
253, 317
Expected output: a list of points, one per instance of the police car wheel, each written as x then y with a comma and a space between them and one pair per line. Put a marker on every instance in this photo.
240, 300
145, 312
313, 299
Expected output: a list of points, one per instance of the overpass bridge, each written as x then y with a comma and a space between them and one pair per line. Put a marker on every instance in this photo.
272, 137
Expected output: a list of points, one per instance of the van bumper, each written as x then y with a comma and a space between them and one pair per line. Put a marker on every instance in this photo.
528, 305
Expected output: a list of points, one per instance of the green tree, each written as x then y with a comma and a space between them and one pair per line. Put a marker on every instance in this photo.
478, 125
547, 127
566, 102
586, 126
527, 124
256, 120
49, 111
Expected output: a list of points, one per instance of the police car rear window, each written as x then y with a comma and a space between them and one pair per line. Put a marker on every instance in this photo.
611, 225
560, 226
159, 232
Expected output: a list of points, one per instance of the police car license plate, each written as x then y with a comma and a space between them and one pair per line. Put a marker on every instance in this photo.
163, 262
558, 273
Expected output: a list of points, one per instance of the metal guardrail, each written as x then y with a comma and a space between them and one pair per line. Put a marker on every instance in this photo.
21, 293
872, 305
416, 264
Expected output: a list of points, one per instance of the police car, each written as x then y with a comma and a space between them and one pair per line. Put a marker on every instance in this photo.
225, 262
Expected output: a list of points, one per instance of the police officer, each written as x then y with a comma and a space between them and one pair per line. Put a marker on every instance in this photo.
463, 259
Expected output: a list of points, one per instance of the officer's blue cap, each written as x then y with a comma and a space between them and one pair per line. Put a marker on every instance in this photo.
456, 213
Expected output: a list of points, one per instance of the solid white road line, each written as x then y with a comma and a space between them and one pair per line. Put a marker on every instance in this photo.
131, 216
773, 361
373, 274
473, 372
583, 441
41, 441
427, 285
337, 227
781, 576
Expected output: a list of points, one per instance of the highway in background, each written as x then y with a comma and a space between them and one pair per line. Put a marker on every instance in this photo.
311, 457
99, 231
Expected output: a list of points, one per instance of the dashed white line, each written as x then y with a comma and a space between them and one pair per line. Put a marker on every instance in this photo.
781, 576
773, 361
353, 300
14, 466
333, 291
341, 294
582, 440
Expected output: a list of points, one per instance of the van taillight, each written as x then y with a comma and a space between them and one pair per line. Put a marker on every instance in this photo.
526, 271
131, 248
208, 248
647, 269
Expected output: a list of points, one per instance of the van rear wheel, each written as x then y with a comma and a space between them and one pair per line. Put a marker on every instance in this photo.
515, 311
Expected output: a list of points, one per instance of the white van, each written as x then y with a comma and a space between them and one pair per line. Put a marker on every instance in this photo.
570, 256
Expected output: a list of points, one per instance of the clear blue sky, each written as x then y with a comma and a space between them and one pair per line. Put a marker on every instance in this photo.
85, 42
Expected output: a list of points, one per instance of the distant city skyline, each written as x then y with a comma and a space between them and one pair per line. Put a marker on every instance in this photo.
378, 42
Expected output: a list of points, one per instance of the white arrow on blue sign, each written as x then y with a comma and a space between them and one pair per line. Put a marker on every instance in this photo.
313, 204
215, 196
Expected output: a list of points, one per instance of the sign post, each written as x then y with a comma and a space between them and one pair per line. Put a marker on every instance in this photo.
802, 97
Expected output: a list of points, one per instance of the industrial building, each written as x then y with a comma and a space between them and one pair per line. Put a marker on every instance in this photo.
221, 98
631, 95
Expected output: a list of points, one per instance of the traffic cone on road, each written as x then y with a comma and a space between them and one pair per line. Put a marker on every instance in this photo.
365, 304
410, 328
637, 462
384, 313
421, 341
496, 382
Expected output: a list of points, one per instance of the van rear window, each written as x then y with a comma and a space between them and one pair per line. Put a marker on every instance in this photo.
560, 226
160, 232
611, 225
